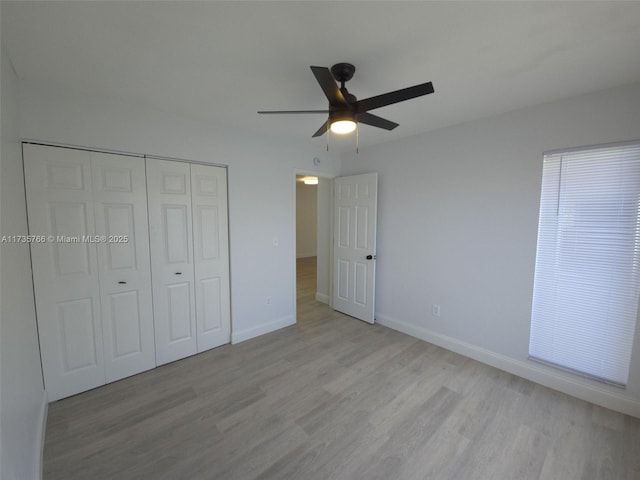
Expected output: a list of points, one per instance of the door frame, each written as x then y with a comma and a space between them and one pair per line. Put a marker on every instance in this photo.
326, 176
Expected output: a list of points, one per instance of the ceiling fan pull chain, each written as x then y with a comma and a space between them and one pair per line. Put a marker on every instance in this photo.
357, 137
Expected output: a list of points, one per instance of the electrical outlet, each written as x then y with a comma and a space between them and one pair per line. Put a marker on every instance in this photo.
435, 310
268, 300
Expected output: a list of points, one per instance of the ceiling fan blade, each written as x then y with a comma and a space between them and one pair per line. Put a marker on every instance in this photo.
271, 112
375, 121
329, 87
394, 97
321, 131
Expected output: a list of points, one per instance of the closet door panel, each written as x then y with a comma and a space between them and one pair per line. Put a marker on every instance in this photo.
211, 297
171, 241
122, 240
179, 312
68, 220
175, 224
125, 329
65, 268
119, 226
77, 332
210, 230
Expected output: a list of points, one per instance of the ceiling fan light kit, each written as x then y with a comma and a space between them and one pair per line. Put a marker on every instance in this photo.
345, 110
342, 126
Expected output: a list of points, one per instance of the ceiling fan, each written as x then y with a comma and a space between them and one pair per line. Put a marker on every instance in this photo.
344, 109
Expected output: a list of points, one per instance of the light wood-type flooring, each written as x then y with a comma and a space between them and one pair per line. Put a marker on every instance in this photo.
334, 398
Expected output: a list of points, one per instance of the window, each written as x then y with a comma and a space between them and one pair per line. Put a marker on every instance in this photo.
587, 278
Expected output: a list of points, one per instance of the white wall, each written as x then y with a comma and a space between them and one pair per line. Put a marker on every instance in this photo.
458, 215
306, 220
260, 172
22, 398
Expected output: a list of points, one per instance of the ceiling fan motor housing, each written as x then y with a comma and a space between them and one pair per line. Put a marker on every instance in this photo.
343, 72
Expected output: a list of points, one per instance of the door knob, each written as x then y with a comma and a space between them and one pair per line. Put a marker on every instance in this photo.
371, 257
122, 283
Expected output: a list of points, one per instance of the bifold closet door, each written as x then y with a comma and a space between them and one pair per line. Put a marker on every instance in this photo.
91, 273
189, 257
65, 273
120, 205
211, 255
171, 241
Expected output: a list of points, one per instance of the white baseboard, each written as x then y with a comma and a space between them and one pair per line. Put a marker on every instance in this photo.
564, 382
321, 297
242, 335
40, 433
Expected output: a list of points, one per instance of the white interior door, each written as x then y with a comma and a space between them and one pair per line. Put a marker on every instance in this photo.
211, 255
354, 250
65, 268
170, 232
120, 205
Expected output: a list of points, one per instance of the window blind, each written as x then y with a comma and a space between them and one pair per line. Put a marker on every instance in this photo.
587, 276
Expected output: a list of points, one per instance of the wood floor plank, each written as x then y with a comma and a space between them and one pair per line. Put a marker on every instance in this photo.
407, 437
334, 398
567, 455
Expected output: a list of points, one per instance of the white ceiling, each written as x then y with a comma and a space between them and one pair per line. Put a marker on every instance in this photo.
222, 61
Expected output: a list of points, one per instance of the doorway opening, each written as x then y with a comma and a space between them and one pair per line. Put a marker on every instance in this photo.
313, 226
